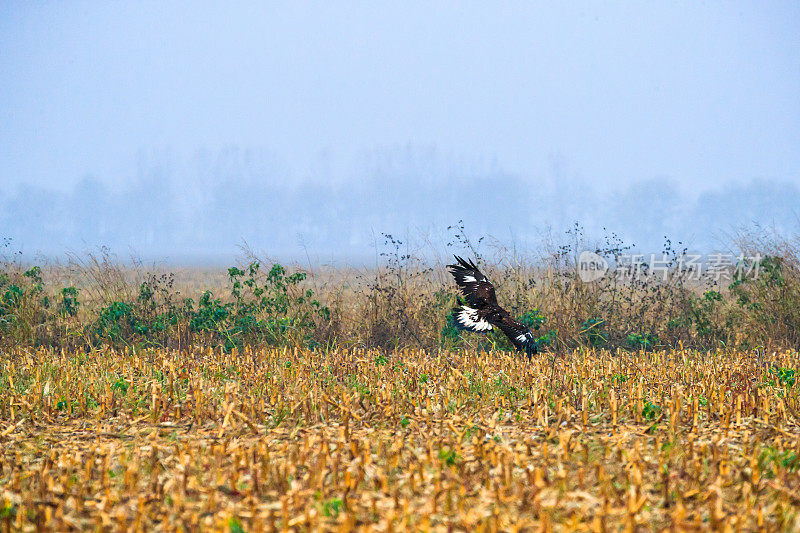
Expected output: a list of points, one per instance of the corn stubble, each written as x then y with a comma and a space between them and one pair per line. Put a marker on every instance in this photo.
293, 440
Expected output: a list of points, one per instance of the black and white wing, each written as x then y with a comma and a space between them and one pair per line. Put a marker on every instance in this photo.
481, 302
471, 319
518, 333
476, 289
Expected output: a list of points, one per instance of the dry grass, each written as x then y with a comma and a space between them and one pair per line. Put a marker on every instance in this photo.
281, 439
405, 299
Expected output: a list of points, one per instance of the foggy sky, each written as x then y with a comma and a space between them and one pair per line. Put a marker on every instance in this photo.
189, 127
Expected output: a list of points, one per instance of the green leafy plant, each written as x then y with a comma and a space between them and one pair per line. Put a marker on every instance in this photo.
593, 330
642, 341
332, 507
448, 456
783, 377
650, 411
68, 306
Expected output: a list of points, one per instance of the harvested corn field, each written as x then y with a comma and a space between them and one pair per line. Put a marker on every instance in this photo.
282, 439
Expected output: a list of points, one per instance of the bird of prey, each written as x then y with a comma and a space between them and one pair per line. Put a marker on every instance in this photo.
481, 312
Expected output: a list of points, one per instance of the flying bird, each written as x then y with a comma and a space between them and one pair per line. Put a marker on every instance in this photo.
481, 312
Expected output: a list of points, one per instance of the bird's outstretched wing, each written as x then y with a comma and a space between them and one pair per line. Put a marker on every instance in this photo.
481, 303
518, 333
471, 319
476, 289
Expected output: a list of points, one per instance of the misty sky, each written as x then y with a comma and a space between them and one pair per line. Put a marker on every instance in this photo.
562, 110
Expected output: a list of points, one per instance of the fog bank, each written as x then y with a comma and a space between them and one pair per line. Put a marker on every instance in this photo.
201, 208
